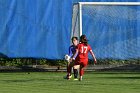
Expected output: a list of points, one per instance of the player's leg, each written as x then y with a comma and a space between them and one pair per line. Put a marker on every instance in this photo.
82, 66
75, 70
81, 72
69, 70
67, 58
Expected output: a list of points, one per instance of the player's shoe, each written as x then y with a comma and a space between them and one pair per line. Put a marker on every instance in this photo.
75, 79
68, 77
80, 79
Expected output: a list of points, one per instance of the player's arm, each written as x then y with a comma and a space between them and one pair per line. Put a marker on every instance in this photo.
75, 55
91, 52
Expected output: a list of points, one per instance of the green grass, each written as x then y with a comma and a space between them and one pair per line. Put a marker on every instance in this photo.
53, 82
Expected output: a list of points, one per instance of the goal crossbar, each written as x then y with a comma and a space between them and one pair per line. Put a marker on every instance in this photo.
101, 3
110, 3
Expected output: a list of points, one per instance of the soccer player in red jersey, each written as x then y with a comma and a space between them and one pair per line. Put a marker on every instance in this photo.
81, 55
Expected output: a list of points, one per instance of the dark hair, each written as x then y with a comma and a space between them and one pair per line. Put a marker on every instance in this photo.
74, 38
83, 39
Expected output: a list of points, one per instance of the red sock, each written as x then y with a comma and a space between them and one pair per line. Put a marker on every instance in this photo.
81, 72
69, 70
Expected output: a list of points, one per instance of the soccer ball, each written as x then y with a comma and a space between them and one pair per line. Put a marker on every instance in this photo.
67, 57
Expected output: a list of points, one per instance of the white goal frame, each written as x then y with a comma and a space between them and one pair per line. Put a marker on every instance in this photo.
100, 3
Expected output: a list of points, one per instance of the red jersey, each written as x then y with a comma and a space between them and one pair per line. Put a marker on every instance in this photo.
83, 52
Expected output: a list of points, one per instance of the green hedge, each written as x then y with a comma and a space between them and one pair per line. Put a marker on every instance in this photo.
115, 61
33, 61
30, 61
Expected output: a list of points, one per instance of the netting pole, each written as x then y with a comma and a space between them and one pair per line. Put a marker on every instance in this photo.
80, 18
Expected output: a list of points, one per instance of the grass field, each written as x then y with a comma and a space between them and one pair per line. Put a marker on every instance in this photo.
53, 82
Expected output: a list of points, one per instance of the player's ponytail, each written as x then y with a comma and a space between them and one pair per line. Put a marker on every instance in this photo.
84, 40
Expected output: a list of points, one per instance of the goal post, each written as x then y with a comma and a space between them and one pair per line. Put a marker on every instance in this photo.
111, 27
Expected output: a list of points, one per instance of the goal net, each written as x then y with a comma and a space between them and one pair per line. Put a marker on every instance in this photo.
112, 28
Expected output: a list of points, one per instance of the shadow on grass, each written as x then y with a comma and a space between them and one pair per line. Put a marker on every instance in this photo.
115, 72
30, 80
120, 77
16, 81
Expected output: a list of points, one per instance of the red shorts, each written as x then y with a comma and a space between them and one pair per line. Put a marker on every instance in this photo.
81, 63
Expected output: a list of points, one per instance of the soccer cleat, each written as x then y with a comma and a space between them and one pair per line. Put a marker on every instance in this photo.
80, 79
75, 79
68, 77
